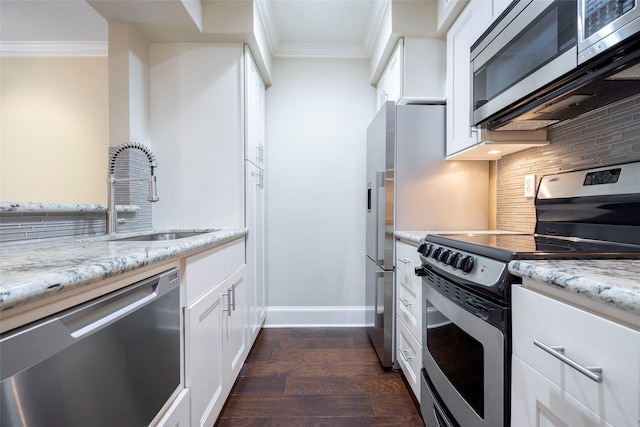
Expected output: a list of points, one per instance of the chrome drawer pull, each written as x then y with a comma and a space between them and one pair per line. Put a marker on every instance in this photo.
405, 302
405, 355
556, 351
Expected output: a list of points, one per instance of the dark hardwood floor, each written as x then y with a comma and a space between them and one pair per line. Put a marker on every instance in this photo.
317, 377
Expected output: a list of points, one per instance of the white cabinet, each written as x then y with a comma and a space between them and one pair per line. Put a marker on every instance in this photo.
471, 23
197, 128
178, 414
409, 314
254, 112
233, 326
415, 72
215, 327
549, 391
254, 197
255, 250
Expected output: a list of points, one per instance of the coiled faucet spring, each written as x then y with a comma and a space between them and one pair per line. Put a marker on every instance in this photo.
112, 220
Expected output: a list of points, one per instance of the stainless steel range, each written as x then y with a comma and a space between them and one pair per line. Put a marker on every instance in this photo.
591, 213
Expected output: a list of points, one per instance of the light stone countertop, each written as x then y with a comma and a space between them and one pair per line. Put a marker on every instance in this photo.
614, 282
31, 271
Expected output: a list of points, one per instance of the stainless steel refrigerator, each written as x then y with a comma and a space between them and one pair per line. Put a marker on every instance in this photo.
411, 187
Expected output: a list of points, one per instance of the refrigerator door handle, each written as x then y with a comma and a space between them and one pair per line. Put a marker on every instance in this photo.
380, 215
369, 196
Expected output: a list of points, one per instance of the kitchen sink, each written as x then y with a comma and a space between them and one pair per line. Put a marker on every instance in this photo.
173, 235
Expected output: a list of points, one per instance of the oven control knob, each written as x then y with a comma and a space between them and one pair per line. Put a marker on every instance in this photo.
420, 271
442, 256
453, 258
425, 248
466, 263
436, 253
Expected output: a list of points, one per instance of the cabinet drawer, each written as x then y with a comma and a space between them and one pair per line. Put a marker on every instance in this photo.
409, 357
233, 256
536, 401
409, 307
588, 340
204, 271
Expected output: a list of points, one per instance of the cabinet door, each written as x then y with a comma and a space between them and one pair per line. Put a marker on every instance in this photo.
232, 292
254, 112
471, 23
589, 341
389, 87
537, 402
178, 414
255, 251
203, 369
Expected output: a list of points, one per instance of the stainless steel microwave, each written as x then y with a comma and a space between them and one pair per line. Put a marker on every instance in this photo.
539, 62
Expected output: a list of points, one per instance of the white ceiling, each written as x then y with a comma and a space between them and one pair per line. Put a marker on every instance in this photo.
342, 28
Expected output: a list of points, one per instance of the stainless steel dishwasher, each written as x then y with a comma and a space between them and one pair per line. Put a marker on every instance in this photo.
113, 361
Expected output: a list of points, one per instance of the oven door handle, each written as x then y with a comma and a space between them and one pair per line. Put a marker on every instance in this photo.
592, 373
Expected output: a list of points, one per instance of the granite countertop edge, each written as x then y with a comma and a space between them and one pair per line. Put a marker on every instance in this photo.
34, 271
610, 281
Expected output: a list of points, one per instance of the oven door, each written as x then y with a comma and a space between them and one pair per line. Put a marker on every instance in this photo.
464, 362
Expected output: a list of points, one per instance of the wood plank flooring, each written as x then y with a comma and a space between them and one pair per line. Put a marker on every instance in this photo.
317, 377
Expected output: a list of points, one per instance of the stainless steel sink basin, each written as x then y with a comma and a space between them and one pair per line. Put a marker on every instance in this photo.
164, 236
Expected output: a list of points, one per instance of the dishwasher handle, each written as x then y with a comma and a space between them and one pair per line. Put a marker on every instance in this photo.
37, 342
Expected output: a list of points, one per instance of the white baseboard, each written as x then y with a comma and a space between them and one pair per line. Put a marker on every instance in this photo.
314, 316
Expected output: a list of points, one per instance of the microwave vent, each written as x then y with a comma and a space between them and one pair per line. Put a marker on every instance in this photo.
565, 102
527, 125
631, 73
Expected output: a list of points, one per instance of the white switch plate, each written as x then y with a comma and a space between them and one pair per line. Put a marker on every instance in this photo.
530, 186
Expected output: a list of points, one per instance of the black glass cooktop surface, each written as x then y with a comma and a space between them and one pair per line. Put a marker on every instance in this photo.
528, 246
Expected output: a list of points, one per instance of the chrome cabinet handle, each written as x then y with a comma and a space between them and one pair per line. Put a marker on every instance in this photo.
405, 302
592, 373
405, 355
228, 295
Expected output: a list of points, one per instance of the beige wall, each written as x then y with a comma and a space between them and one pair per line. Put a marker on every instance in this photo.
54, 129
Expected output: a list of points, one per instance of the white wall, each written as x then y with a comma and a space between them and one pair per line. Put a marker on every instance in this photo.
317, 114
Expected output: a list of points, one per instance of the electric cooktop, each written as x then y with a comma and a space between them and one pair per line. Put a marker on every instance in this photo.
531, 246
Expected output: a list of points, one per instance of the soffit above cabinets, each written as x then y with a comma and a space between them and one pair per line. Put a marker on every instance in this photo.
294, 28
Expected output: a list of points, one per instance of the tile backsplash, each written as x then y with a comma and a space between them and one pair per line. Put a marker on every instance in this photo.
33, 221
607, 136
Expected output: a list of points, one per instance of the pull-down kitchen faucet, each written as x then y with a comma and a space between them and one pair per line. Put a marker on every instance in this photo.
112, 216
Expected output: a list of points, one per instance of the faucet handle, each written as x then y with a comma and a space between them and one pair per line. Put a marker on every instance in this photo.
153, 190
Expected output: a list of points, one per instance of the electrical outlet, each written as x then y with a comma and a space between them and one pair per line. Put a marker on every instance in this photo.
530, 186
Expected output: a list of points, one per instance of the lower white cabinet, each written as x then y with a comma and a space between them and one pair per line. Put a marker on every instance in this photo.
408, 314
178, 414
216, 326
536, 401
555, 347
203, 357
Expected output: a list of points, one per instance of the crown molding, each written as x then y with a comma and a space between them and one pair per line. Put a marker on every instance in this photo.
53, 49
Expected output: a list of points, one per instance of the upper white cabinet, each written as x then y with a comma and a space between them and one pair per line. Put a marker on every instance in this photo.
465, 142
254, 107
197, 127
471, 23
571, 367
415, 72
